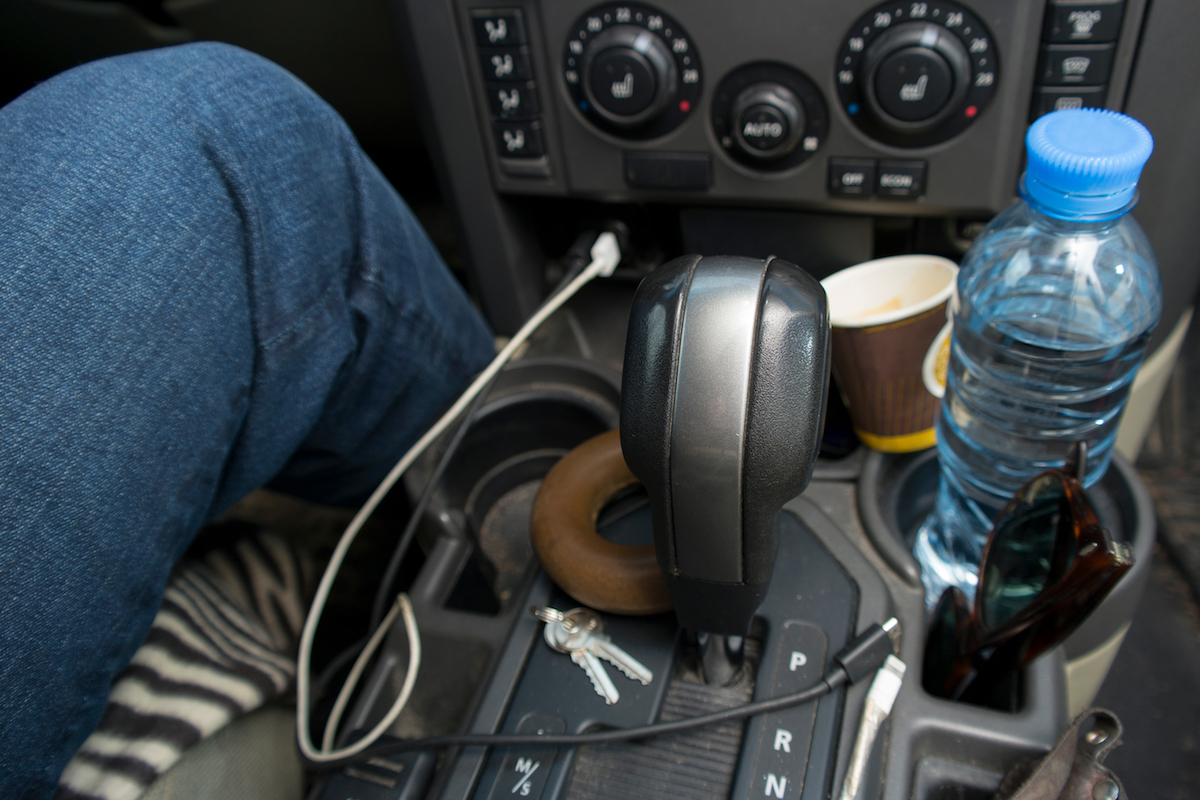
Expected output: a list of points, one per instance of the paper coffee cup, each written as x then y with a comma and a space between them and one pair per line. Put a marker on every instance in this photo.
886, 315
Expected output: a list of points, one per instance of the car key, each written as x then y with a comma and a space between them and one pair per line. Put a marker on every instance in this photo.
575, 633
601, 644
568, 633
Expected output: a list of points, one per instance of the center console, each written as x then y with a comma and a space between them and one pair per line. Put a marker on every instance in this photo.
823, 133
841, 565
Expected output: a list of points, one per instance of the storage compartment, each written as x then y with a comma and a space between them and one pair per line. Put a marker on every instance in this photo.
948, 749
536, 411
896, 493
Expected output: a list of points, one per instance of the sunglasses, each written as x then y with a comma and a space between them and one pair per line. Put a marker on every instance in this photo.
1046, 565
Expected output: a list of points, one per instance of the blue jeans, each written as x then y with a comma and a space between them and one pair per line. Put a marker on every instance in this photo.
205, 287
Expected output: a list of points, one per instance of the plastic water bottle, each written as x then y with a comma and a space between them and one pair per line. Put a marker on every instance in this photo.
1057, 298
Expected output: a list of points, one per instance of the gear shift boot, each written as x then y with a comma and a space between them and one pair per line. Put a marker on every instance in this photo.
723, 396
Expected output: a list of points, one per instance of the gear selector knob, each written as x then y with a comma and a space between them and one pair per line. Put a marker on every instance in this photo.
722, 405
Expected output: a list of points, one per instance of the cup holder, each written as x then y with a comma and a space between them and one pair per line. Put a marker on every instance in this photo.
896, 493
536, 411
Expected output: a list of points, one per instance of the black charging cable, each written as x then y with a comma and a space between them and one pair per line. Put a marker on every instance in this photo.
860, 659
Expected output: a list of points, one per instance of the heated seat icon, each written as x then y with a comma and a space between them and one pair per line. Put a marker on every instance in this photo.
912, 92
623, 89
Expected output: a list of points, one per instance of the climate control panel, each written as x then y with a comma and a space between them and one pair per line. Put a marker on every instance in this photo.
860, 107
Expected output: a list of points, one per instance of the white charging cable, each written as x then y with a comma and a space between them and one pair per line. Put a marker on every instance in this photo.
606, 254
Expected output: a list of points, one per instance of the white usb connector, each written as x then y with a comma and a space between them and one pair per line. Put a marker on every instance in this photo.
606, 254
880, 699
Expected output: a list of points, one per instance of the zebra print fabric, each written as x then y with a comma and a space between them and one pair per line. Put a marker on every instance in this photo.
222, 645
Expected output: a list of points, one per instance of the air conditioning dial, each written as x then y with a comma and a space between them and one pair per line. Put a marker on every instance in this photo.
629, 75
631, 70
915, 74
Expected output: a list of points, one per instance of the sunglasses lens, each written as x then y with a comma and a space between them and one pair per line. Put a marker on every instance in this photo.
943, 647
1021, 556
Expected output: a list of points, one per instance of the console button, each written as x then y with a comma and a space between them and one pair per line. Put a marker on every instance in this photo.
901, 179
519, 140
503, 27
1075, 64
506, 63
851, 176
1083, 22
691, 171
764, 127
525, 770
1055, 98
512, 101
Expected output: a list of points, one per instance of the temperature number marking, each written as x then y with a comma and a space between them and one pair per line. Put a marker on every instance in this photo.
654, 22
845, 77
624, 15
979, 45
882, 19
985, 79
594, 24
954, 19
691, 76
918, 10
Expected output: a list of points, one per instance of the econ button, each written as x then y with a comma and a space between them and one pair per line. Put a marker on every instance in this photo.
901, 180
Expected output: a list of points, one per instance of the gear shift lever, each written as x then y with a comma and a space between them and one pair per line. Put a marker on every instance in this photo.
722, 405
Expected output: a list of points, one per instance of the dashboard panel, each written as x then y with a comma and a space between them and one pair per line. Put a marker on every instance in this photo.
831, 120
912, 93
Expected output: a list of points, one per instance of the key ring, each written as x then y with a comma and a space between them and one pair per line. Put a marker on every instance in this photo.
553, 615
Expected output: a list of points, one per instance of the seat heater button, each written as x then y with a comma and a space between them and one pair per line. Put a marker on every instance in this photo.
512, 101
503, 27
506, 63
519, 140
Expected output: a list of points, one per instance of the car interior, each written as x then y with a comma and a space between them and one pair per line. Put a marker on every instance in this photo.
522, 133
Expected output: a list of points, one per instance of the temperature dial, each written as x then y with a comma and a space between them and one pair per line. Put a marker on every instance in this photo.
915, 74
632, 70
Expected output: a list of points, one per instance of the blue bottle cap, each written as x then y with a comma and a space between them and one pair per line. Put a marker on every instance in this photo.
1084, 162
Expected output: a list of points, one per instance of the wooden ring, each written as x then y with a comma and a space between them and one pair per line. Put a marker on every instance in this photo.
598, 573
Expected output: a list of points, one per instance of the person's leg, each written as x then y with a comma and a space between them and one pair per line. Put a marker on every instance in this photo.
204, 287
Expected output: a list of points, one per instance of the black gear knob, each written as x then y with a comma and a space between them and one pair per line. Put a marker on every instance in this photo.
722, 405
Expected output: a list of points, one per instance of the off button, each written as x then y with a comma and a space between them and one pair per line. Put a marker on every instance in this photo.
851, 176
